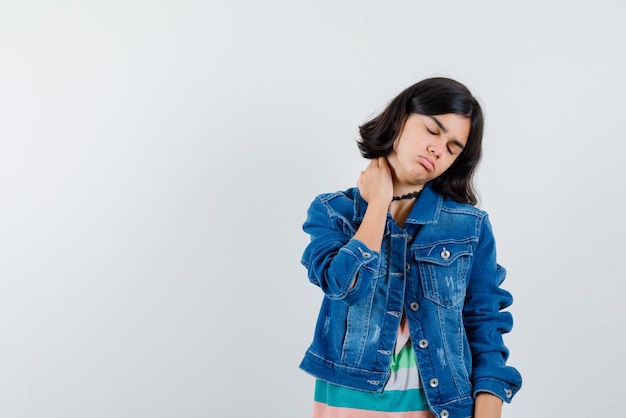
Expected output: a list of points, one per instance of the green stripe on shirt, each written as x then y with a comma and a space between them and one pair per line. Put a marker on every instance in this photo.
404, 359
388, 401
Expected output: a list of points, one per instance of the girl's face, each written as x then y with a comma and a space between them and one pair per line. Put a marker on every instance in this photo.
427, 146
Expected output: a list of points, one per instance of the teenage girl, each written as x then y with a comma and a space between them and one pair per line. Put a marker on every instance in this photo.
412, 319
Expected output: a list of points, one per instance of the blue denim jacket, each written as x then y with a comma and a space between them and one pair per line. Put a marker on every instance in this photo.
440, 270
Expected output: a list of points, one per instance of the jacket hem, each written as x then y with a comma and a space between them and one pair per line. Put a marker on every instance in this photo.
359, 379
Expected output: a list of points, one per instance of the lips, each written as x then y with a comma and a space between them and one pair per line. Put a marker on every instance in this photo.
430, 166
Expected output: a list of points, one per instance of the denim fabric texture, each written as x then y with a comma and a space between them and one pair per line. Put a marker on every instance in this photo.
440, 270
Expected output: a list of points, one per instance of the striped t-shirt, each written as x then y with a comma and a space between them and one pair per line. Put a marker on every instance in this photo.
402, 397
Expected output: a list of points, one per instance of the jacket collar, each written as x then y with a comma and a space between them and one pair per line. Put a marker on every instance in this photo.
425, 211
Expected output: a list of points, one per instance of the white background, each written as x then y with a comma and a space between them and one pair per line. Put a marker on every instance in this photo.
157, 159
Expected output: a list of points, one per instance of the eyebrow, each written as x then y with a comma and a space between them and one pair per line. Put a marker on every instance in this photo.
443, 128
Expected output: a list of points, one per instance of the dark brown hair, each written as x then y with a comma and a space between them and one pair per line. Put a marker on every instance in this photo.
432, 96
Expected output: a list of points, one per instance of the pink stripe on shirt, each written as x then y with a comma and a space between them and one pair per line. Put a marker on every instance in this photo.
321, 410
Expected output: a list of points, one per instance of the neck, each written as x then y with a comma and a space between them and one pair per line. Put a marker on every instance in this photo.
403, 187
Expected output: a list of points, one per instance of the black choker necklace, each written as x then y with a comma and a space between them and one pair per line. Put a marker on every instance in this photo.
413, 195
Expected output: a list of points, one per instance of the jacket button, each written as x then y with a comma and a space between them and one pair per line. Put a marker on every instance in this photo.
445, 413
423, 343
414, 306
508, 393
408, 267
434, 382
366, 254
445, 254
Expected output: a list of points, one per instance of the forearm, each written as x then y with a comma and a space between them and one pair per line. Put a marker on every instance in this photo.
372, 228
487, 406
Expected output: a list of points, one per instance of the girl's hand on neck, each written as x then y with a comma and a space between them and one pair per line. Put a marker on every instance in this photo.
376, 183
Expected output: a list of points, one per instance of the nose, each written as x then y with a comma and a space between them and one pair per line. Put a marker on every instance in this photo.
435, 150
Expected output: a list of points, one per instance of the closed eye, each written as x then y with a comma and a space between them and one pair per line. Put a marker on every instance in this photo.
454, 148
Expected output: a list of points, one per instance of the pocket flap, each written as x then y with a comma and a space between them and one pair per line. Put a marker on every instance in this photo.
443, 254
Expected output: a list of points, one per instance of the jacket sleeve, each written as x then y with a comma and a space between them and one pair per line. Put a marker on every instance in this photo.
486, 321
333, 259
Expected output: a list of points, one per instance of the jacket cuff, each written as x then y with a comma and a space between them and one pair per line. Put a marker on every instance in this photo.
361, 267
502, 390
360, 251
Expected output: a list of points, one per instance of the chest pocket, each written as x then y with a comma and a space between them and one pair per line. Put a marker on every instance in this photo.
443, 272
